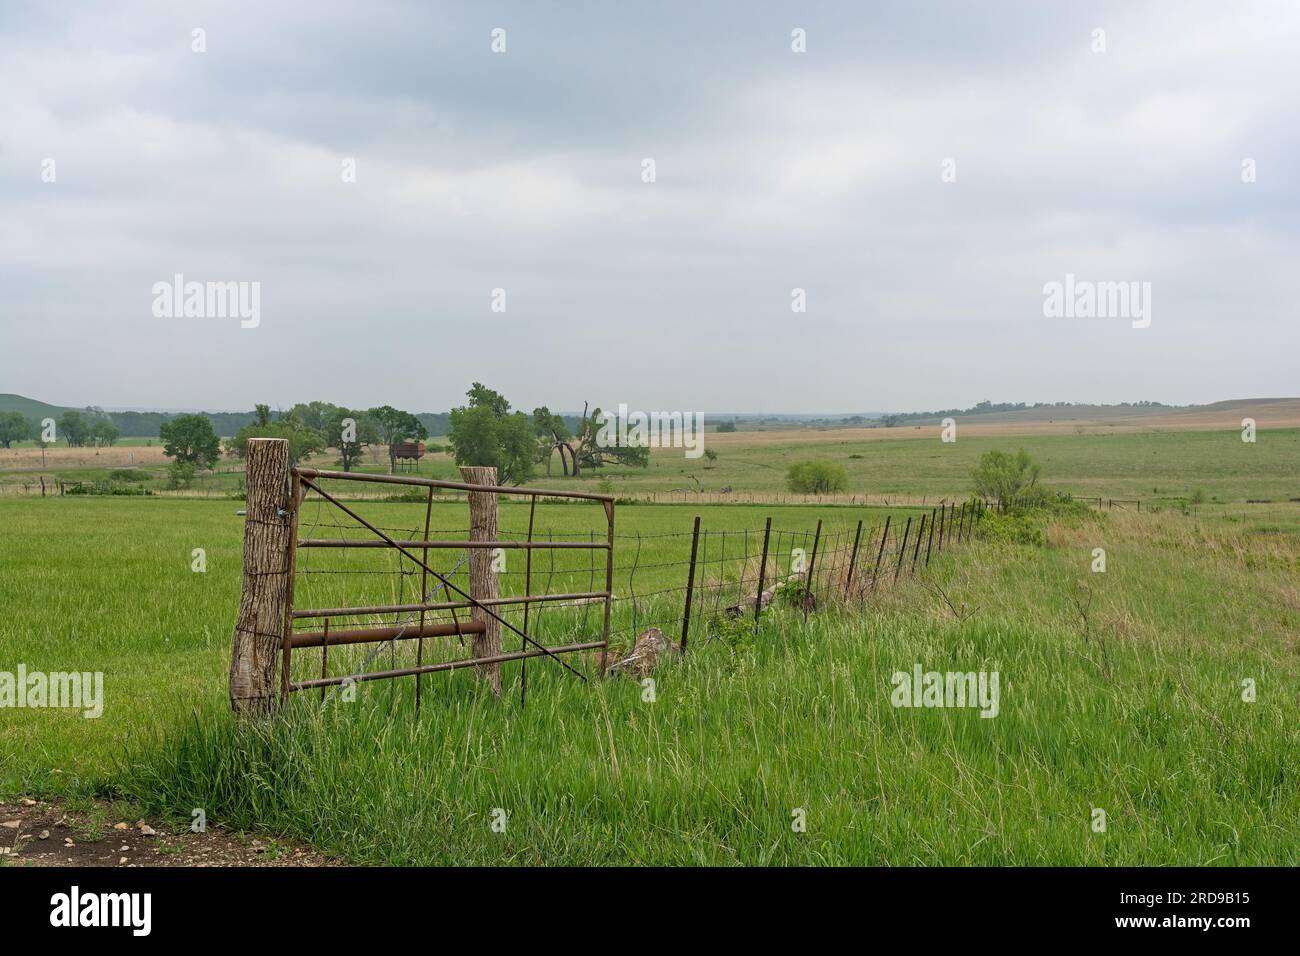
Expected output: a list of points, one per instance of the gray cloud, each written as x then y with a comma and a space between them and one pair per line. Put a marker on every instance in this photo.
775, 170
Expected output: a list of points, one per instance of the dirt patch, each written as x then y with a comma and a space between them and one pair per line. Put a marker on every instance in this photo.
62, 457
55, 833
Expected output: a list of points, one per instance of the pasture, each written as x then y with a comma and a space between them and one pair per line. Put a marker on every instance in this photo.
1153, 465
1120, 691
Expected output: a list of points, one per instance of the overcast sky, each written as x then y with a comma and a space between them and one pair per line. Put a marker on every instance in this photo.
523, 171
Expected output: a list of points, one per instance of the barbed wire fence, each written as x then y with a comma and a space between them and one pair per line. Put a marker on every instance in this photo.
695, 586
735, 575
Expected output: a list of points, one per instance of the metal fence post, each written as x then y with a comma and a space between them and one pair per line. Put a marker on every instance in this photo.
881, 553
916, 549
812, 569
690, 582
762, 571
903, 550
853, 560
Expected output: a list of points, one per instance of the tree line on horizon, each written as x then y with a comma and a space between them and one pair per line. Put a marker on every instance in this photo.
485, 431
77, 428
94, 425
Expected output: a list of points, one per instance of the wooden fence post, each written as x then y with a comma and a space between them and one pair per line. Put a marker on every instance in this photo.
264, 604
930, 540
483, 583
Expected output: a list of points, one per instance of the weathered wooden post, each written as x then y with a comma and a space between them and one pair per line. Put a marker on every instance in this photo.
268, 576
483, 584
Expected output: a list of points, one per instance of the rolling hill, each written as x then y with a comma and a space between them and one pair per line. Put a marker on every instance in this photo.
29, 406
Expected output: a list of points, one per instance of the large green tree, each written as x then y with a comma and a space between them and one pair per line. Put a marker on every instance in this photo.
14, 426
104, 432
75, 428
486, 433
314, 415
592, 453
190, 440
581, 449
350, 432
303, 441
553, 435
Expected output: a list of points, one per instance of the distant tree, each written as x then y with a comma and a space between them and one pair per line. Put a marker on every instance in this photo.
190, 440
303, 441
395, 425
816, 478
75, 428
262, 415
726, 426
710, 456
14, 426
180, 474
486, 433
480, 396
314, 415
104, 432
352, 437
553, 434
593, 453
1010, 480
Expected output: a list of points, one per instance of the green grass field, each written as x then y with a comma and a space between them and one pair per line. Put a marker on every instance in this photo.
1120, 691
1152, 465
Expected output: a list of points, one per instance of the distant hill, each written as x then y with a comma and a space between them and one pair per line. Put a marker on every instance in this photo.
30, 406
131, 424
1277, 412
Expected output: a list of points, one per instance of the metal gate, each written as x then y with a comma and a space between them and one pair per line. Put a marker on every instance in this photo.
474, 611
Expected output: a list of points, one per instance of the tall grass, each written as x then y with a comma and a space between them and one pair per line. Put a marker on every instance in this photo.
1119, 691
